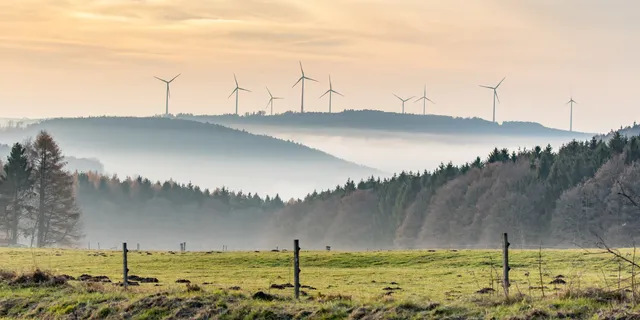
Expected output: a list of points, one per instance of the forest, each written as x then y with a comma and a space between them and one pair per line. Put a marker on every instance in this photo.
540, 196
380, 120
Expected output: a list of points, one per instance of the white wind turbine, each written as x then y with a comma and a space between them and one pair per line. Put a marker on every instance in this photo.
495, 96
330, 92
403, 101
237, 91
271, 98
424, 99
571, 102
302, 78
166, 111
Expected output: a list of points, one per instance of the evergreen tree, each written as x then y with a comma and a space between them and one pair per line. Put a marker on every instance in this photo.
18, 189
57, 218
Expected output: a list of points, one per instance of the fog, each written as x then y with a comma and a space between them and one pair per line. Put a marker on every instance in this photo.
393, 152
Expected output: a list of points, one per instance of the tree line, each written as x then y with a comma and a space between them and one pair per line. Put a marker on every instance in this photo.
37, 196
538, 195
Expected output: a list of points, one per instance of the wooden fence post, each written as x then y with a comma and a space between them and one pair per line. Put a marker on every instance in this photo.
296, 268
125, 268
505, 265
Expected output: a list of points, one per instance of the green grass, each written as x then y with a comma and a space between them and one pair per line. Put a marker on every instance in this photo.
447, 278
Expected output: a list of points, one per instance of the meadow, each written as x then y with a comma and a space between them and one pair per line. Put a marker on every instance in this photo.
436, 284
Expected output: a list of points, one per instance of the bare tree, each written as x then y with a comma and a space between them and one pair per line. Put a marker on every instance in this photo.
57, 218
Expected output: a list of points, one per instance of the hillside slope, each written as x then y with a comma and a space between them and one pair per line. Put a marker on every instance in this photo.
386, 121
206, 154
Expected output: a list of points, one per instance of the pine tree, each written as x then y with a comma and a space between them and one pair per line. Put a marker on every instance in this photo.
18, 188
57, 218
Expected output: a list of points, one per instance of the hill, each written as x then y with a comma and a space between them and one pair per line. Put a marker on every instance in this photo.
206, 154
386, 121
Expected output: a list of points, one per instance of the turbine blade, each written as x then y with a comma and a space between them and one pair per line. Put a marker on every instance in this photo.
232, 92
301, 70
163, 80
410, 98
243, 89
297, 82
275, 98
311, 79
397, 96
175, 77
268, 103
500, 82
324, 94
330, 86
430, 100
496, 94
235, 79
269, 92
487, 87
419, 99
338, 93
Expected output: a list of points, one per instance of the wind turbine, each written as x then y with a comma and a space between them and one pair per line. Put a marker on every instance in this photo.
271, 98
236, 91
495, 96
403, 101
166, 112
302, 78
330, 92
424, 99
571, 102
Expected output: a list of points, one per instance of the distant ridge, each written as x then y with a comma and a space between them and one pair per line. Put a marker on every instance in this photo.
388, 121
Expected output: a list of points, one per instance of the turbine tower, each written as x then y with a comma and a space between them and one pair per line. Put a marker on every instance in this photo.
302, 78
495, 96
571, 102
236, 91
271, 98
166, 110
403, 101
424, 100
330, 92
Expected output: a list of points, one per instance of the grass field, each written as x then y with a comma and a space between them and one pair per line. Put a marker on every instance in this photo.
441, 284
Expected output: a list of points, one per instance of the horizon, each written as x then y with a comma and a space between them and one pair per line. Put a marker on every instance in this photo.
109, 63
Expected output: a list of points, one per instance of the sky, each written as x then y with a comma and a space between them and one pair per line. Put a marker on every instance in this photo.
98, 57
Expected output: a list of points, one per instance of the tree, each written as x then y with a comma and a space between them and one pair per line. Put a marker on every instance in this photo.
57, 218
18, 189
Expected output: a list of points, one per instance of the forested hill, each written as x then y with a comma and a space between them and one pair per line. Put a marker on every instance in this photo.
388, 121
209, 155
538, 196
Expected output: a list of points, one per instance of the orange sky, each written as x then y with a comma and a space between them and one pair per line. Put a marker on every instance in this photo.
82, 57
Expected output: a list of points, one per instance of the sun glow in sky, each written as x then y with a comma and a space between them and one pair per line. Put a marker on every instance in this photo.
95, 57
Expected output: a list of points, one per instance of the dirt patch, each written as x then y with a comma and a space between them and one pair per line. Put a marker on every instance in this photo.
38, 278
486, 291
281, 286
263, 296
183, 281
391, 288
143, 279
90, 278
235, 288
308, 287
558, 281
